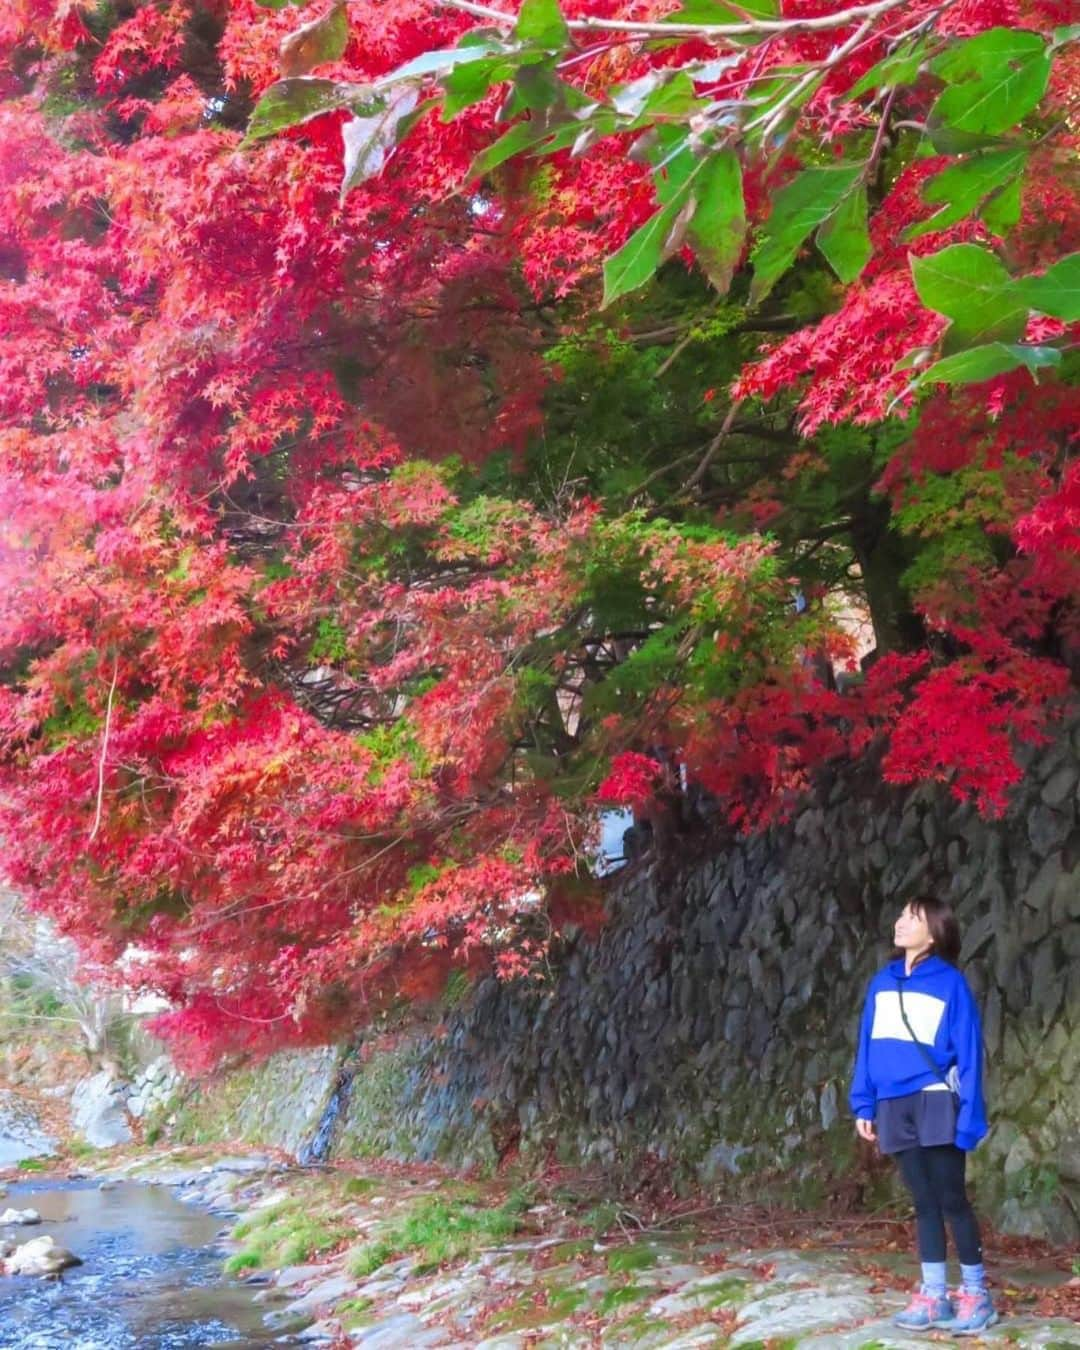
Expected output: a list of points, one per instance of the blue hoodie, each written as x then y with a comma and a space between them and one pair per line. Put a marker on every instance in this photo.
942, 1012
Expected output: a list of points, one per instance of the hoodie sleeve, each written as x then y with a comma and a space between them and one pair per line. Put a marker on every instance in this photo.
966, 1044
863, 1095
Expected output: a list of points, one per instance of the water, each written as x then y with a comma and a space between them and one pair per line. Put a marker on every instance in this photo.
151, 1278
319, 1148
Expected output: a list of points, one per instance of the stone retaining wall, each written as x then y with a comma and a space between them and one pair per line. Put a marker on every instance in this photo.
712, 1026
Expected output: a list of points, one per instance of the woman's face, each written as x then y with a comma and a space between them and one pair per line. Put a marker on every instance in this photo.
910, 932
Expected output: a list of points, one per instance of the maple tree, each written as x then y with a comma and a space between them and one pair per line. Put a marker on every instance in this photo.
420, 420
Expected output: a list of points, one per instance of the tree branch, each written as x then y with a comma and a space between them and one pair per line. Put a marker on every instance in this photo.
714, 446
751, 26
776, 323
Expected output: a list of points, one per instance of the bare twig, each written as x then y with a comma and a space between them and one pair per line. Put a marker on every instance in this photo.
714, 446
882, 131
770, 119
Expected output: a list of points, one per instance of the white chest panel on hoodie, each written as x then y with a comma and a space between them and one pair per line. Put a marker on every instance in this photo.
924, 1012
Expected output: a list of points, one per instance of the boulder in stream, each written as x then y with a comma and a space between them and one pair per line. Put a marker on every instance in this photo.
40, 1256
19, 1216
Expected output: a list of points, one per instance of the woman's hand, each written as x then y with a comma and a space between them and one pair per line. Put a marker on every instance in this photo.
865, 1130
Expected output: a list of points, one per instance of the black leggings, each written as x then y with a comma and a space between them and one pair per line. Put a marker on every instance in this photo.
935, 1177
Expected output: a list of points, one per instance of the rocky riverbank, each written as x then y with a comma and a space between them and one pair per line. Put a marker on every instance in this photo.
395, 1257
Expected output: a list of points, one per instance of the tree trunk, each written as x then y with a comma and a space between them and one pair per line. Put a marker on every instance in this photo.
883, 557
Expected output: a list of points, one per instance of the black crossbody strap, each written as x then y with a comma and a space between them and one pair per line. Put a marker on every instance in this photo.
911, 1032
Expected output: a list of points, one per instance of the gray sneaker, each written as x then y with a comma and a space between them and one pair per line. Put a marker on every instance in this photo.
926, 1312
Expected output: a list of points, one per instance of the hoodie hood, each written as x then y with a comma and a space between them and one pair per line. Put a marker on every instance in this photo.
930, 968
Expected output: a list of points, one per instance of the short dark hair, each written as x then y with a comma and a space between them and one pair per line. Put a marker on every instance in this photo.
942, 923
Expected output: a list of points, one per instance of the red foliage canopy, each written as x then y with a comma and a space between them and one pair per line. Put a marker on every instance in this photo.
294, 710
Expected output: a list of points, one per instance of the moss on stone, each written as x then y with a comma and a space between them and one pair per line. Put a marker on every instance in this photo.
360, 1186
435, 1229
625, 1293
625, 1260
286, 1234
355, 1313
601, 1218
564, 1302
567, 1251
724, 1292
518, 1315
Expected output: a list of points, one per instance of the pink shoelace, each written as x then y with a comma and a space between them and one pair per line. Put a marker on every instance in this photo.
921, 1300
966, 1303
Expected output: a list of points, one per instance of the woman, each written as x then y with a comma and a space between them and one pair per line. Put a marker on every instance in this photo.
917, 1090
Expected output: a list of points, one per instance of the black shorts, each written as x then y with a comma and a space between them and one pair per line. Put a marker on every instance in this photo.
926, 1118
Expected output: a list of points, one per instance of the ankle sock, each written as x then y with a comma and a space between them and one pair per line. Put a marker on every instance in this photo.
973, 1278
934, 1278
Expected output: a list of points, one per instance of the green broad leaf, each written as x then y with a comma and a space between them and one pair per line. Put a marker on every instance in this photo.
480, 37
410, 119
715, 11
578, 137
680, 228
963, 187
771, 93
806, 202
521, 136
636, 262
844, 239
915, 358
674, 163
718, 229
471, 81
567, 137
995, 49
971, 287
369, 141
1057, 291
539, 88
1001, 211
540, 24
520, 97
675, 98
281, 4
994, 79
983, 363
316, 43
660, 93
290, 103
943, 140
899, 67
1068, 33
437, 62
629, 99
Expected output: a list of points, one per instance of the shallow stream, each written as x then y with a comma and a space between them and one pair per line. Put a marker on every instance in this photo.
150, 1280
